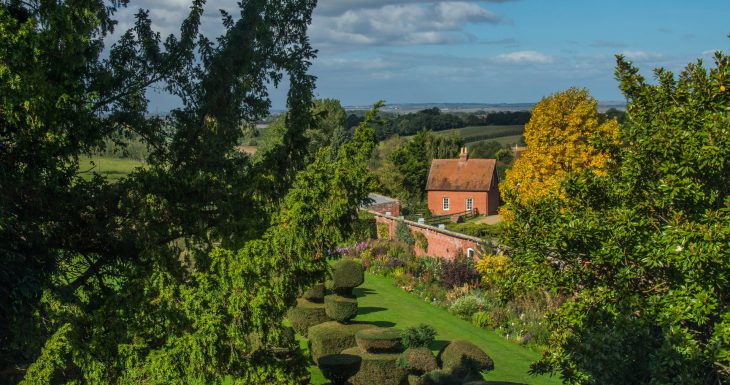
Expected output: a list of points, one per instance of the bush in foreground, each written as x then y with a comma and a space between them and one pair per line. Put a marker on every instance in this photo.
377, 368
332, 337
379, 340
338, 368
417, 361
340, 308
305, 315
418, 336
463, 359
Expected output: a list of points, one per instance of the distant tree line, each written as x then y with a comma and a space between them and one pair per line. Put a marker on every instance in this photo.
435, 120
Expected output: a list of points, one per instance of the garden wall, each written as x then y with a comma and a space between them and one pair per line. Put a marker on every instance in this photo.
441, 242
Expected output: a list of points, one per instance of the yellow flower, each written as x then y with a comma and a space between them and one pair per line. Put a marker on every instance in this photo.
722, 88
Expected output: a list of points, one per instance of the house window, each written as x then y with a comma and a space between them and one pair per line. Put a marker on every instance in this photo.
446, 204
469, 204
470, 253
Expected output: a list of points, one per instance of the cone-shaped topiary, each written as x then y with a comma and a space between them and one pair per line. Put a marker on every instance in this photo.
340, 308
305, 315
346, 275
377, 368
463, 359
314, 293
377, 340
332, 337
418, 361
338, 368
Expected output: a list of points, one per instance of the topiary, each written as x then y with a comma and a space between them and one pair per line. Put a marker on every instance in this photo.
463, 358
338, 368
346, 275
379, 340
417, 361
314, 293
332, 337
377, 368
418, 336
438, 377
305, 315
340, 308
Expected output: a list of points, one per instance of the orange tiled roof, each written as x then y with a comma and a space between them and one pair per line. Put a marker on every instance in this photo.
461, 175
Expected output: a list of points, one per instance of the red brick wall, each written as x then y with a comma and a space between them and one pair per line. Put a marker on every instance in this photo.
457, 201
440, 243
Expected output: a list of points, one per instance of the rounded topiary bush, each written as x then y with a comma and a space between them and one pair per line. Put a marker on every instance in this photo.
340, 308
332, 337
463, 358
377, 368
305, 315
418, 361
438, 377
379, 340
346, 275
338, 368
314, 293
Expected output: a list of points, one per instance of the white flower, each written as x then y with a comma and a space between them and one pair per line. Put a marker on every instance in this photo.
679, 248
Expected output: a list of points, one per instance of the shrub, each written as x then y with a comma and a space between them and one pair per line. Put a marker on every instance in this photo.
491, 267
340, 308
379, 340
403, 234
383, 231
417, 360
421, 241
466, 306
429, 268
459, 271
347, 274
305, 315
377, 368
418, 336
439, 377
483, 319
463, 358
363, 227
332, 337
432, 292
338, 368
314, 293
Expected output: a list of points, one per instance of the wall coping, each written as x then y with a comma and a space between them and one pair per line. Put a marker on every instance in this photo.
432, 228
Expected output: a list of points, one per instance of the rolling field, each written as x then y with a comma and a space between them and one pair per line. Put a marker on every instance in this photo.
479, 133
111, 168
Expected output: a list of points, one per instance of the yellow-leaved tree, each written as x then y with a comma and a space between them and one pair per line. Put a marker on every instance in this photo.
557, 138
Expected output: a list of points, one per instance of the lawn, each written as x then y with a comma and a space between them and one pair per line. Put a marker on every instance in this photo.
386, 305
111, 168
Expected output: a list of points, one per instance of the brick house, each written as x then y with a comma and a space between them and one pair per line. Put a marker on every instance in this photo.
458, 185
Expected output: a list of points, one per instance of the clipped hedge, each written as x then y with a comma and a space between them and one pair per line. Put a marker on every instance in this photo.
332, 337
379, 340
340, 308
314, 293
338, 368
346, 275
377, 368
418, 361
305, 315
438, 377
464, 359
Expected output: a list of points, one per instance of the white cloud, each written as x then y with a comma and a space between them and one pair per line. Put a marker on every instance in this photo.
338, 7
402, 24
641, 55
521, 57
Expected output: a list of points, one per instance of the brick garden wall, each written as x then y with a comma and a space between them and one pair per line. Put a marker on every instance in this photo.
441, 242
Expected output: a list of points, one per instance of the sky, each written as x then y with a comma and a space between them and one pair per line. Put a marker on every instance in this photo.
498, 51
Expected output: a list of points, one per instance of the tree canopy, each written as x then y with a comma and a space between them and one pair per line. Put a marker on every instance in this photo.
181, 271
640, 249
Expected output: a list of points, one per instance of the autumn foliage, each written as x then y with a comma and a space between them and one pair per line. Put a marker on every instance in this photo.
558, 138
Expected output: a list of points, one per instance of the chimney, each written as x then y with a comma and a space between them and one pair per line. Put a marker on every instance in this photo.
463, 154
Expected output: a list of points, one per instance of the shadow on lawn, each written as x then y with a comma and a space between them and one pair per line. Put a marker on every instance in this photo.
503, 383
382, 324
362, 291
438, 345
369, 309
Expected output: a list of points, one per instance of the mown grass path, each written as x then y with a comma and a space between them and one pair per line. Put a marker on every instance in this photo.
383, 304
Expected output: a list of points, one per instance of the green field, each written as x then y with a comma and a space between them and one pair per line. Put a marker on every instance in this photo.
503, 140
479, 133
382, 303
111, 168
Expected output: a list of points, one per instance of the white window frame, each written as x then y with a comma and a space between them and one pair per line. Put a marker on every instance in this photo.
469, 203
446, 203
470, 253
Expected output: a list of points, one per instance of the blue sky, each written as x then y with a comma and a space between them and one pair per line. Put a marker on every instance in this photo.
485, 51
